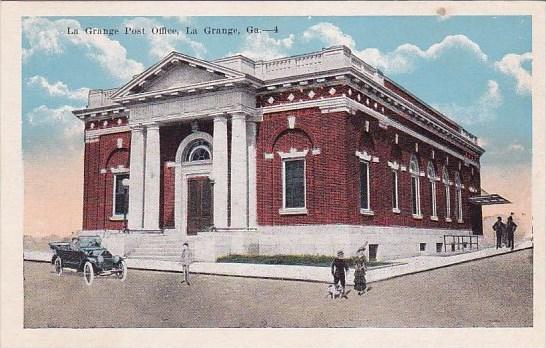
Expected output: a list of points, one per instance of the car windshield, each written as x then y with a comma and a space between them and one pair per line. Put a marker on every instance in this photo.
95, 252
90, 242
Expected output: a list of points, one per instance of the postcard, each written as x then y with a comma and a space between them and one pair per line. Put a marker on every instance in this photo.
341, 174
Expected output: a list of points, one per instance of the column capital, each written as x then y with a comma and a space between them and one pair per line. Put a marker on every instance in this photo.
239, 115
137, 128
220, 118
151, 126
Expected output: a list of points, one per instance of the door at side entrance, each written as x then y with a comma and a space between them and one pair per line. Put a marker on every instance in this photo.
199, 205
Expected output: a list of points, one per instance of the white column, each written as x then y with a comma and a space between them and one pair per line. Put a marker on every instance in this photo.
220, 172
151, 180
136, 179
239, 172
252, 201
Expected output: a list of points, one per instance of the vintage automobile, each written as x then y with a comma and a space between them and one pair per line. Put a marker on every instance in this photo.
85, 254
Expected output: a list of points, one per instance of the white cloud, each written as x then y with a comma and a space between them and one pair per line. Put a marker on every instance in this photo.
44, 115
263, 46
511, 65
503, 149
516, 147
50, 37
59, 119
482, 110
329, 34
483, 142
57, 89
161, 45
400, 60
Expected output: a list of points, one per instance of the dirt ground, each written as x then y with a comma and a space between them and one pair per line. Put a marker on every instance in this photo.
488, 293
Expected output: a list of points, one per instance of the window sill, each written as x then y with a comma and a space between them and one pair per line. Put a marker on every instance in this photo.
366, 212
417, 217
117, 218
448, 220
396, 210
434, 218
293, 211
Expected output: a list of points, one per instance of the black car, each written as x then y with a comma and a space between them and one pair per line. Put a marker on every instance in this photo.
85, 254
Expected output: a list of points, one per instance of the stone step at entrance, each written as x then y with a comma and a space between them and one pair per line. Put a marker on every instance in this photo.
161, 247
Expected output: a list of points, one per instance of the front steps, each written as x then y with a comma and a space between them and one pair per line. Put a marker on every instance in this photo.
160, 247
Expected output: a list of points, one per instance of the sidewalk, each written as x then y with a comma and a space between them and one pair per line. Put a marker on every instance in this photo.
399, 268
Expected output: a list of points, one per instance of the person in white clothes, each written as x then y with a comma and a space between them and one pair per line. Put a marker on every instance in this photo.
186, 261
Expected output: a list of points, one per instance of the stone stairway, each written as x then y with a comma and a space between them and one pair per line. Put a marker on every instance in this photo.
159, 247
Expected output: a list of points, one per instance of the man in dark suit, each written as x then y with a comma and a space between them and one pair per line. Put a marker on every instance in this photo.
499, 227
510, 229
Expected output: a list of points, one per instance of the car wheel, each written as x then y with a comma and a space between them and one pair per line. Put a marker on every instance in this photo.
58, 266
88, 273
123, 268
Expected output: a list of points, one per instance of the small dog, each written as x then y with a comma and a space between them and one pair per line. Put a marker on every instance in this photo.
334, 291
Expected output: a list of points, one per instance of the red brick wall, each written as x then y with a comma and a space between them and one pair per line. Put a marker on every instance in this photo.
332, 177
326, 199
98, 187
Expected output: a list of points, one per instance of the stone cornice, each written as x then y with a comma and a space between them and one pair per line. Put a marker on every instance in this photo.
400, 107
98, 132
100, 113
348, 105
174, 92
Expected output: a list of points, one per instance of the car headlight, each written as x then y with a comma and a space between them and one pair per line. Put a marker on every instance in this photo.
116, 259
100, 259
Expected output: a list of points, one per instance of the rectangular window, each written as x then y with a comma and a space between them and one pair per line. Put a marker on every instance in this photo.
364, 185
439, 247
415, 201
120, 200
294, 183
422, 246
373, 252
394, 190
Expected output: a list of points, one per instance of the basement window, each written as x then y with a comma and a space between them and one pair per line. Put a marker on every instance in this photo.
439, 247
422, 246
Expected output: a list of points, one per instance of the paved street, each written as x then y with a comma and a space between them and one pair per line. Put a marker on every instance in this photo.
487, 293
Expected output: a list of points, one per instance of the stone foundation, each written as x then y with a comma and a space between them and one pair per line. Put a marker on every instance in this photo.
392, 242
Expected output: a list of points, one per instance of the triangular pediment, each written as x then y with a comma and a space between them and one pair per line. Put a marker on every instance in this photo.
181, 75
176, 70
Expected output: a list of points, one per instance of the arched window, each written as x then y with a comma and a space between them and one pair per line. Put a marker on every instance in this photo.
431, 174
415, 191
198, 150
458, 198
445, 180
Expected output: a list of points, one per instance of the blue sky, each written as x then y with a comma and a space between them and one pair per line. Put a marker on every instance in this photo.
475, 69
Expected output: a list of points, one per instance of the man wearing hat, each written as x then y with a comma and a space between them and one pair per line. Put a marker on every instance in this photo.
338, 268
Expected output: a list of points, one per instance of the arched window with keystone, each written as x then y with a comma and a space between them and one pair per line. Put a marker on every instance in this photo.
458, 198
415, 189
445, 180
431, 174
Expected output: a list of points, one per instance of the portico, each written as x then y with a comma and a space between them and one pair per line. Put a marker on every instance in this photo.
199, 155
158, 99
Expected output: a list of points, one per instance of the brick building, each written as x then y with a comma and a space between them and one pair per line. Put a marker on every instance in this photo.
305, 154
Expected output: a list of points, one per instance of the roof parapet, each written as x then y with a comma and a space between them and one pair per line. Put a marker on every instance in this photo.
100, 97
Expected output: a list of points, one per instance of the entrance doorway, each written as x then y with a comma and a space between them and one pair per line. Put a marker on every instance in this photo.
199, 216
